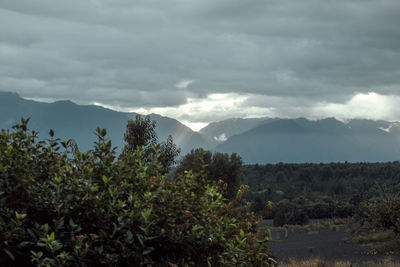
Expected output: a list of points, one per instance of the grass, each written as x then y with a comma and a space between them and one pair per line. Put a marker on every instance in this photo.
312, 232
375, 237
311, 228
333, 224
388, 247
317, 262
382, 242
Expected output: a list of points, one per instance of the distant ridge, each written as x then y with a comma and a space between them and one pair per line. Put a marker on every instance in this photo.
231, 127
327, 140
262, 140
70, 120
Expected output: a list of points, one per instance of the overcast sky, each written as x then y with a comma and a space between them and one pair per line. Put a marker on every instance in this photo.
206, 60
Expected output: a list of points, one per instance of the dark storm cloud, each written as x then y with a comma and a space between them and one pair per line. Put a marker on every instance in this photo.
134, 53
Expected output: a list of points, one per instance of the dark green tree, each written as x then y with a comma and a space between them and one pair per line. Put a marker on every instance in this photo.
141, 134
196, 160
217, 166
168, 152
227, 168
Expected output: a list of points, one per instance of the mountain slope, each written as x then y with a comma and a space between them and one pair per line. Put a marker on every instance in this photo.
70, 120
221, 130
302, 140
256, 140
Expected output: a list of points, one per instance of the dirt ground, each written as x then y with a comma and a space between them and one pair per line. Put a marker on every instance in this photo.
322, 242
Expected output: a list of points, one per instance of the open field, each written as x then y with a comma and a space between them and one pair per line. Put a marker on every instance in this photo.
323, 242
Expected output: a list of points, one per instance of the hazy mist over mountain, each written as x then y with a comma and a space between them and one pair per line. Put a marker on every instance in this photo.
263, 140
327, 140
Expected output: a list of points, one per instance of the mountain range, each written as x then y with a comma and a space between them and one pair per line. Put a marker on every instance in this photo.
326, 140
69, 120
261, 140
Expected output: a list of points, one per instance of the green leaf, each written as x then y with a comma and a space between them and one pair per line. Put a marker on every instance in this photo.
147, 251
129, 236
24, 244
241, 232
20, 216
52, 236
72, 224
139, 237
197, 227
31, 234
57, 179
94, 188
38, 254
57, 246
60, 223
9, 254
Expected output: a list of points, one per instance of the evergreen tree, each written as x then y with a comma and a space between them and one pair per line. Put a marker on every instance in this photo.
141, 134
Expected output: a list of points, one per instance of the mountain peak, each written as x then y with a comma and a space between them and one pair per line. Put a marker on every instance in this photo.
65, 102
9, 96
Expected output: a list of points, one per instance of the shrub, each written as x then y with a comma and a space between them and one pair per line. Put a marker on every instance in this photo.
385, 214
291, 217
286, 212
62, 207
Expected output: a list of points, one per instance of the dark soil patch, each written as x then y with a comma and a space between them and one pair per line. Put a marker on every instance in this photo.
322, 242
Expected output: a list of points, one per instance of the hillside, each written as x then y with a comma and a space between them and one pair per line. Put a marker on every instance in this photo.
327, 140
70, 120
224, 129
262, 140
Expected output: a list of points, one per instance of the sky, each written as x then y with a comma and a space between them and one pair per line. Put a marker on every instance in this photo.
207, 60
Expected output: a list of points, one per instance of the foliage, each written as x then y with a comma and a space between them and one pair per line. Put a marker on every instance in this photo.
374, 237
385, 214
141, 133
217, 166
320, 190
59, 208
287, 213
378, 222
196, 160
168, 152
381, 213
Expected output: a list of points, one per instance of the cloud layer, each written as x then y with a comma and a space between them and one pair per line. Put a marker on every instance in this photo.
155, 54
198, 112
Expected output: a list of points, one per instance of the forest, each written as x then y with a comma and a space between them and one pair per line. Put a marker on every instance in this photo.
302, 191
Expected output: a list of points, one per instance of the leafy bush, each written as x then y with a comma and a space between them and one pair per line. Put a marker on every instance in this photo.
377, 223
216, 166
290, 217
62, 207
385, 214
286, 212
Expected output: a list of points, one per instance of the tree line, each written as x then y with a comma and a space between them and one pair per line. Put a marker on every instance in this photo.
301, 191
